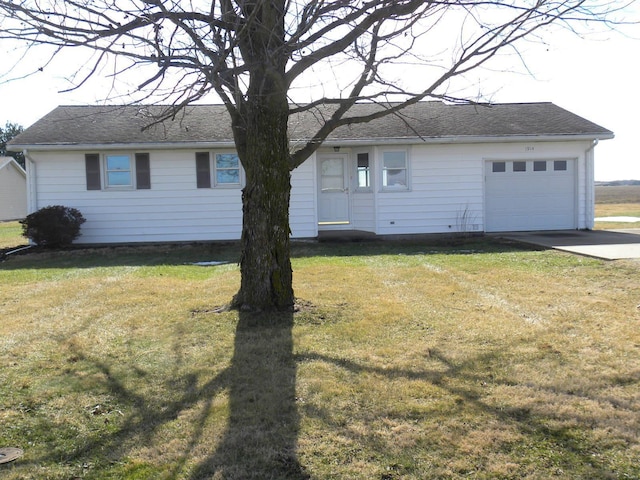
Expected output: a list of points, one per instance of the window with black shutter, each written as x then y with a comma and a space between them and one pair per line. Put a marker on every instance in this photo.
116, 172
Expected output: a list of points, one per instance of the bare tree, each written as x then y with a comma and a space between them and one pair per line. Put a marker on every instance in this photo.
253, 53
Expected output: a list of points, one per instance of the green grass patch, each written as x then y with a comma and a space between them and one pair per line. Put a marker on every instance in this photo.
11, 235
405, 360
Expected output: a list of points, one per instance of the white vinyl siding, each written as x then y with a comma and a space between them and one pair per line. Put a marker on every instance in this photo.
174, 210
444, 184
447, 193
302, 208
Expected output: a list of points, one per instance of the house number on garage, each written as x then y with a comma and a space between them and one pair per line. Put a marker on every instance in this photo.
529, 149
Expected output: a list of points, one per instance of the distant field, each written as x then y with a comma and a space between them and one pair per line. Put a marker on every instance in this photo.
618, 201
618, 194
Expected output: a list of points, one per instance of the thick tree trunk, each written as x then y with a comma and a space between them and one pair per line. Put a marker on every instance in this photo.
265, 263
260, 130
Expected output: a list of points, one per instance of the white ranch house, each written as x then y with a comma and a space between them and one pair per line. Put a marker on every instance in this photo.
435, 168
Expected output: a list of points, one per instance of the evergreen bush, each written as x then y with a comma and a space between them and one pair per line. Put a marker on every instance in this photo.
53, 226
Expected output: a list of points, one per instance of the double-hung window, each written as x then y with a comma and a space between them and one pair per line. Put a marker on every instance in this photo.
117, 171
395, 170
227, 168
218, 170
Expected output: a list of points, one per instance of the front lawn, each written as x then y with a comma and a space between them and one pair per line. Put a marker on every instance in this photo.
11, 235
404, 361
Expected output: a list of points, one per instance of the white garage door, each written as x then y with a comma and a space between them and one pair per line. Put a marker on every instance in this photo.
530, 195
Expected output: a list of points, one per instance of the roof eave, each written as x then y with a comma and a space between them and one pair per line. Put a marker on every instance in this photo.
461, 139
40, 147
331, 142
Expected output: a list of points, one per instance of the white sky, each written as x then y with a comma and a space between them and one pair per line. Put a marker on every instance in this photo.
598, 79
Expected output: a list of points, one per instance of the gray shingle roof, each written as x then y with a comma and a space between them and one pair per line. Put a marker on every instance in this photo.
103, 125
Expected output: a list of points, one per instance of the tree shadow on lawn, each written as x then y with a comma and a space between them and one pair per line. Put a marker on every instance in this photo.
263, 421
553, 442
260, 439
262, 432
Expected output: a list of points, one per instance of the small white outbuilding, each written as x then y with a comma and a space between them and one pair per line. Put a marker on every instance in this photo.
13, 190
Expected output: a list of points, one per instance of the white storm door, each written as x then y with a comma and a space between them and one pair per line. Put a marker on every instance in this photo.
333, 189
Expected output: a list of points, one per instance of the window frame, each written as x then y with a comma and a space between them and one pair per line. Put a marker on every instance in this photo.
131, 171
214, 171
384, 170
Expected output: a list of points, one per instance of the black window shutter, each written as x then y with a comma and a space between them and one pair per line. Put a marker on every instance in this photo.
92, 164
203, 170
143, 171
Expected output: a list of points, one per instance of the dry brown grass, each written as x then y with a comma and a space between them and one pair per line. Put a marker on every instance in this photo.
405, 361
618, 194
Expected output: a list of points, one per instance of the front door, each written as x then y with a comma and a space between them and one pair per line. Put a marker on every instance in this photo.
333, 192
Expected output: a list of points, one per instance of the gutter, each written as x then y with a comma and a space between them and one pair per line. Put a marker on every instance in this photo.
32, 194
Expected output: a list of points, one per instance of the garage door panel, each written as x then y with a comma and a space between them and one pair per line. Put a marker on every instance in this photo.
530, 200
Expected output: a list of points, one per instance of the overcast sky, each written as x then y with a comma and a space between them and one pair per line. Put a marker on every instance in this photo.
597, 78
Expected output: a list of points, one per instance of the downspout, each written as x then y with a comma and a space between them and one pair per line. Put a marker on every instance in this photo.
32, 196
590, 185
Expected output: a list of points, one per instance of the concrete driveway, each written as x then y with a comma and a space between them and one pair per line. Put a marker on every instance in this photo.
605, 244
